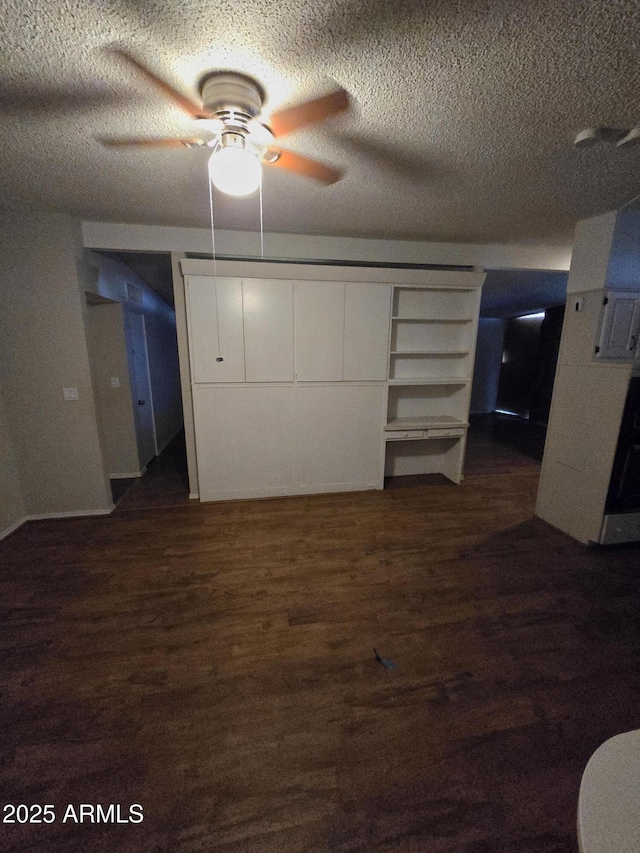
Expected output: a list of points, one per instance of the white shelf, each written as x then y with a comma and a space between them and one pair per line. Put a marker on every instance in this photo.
434, 380
432, 343
430, 422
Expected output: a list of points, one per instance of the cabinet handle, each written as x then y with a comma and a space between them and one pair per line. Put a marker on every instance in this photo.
633, 342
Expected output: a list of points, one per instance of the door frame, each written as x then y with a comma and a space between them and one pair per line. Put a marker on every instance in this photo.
131, 309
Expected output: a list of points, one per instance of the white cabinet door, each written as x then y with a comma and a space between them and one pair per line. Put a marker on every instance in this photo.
212, 305
319, 335
620, 326
367, 313
338, 437
268, 330
244, 441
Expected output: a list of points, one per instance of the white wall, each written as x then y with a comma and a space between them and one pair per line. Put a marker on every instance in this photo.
624, 261
588, 395
246, 244
160, 324
607, 253
108, 356
12, 510
43, 349
164, 371
486, 372
592, 244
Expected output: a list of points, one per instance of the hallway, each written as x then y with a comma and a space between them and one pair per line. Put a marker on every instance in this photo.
164, 483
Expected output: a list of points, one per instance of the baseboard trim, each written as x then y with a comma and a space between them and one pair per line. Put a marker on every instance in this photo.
130, 475
9, 530
79, 513
194, 496
44, 516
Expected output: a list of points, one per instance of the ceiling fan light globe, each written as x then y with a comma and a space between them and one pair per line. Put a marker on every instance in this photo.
235, 171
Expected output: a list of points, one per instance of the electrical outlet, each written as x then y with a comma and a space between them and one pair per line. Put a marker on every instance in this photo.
115, 382
70, 393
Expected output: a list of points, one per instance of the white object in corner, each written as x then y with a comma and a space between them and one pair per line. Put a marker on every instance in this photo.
608, 804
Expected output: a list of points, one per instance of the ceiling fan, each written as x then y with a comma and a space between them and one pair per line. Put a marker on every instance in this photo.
619, 136
229, 119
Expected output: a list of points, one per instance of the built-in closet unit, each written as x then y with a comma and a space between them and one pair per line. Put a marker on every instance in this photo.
313, 378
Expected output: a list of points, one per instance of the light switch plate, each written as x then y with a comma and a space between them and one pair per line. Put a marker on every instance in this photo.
70, 393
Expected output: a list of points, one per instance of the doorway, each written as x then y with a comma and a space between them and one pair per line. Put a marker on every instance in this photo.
521, 316
131, 332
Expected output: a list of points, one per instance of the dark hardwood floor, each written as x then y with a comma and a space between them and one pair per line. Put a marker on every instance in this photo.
215, 664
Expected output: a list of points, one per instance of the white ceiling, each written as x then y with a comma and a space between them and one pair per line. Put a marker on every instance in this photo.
464, 112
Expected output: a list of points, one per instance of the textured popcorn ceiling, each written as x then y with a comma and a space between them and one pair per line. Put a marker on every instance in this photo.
462, 127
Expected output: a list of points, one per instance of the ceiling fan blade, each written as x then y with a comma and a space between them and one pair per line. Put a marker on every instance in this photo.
294, 118
304, 166
151, 143
189, 107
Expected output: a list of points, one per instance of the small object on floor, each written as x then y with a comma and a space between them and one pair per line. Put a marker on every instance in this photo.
388, 664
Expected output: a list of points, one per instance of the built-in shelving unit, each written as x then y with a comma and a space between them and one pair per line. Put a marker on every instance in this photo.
320, 378
432, 349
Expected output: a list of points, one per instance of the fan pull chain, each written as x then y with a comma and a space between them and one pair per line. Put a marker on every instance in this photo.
261, 222
215, 270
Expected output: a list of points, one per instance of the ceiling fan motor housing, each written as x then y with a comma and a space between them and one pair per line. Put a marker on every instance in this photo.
231, 92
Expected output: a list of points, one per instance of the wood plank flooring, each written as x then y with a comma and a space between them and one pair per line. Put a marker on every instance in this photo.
215, 664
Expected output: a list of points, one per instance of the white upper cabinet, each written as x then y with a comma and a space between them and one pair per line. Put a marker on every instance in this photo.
342, 331
215, 308
319, 336
367, 311
620, 327
242, 330
268, 329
